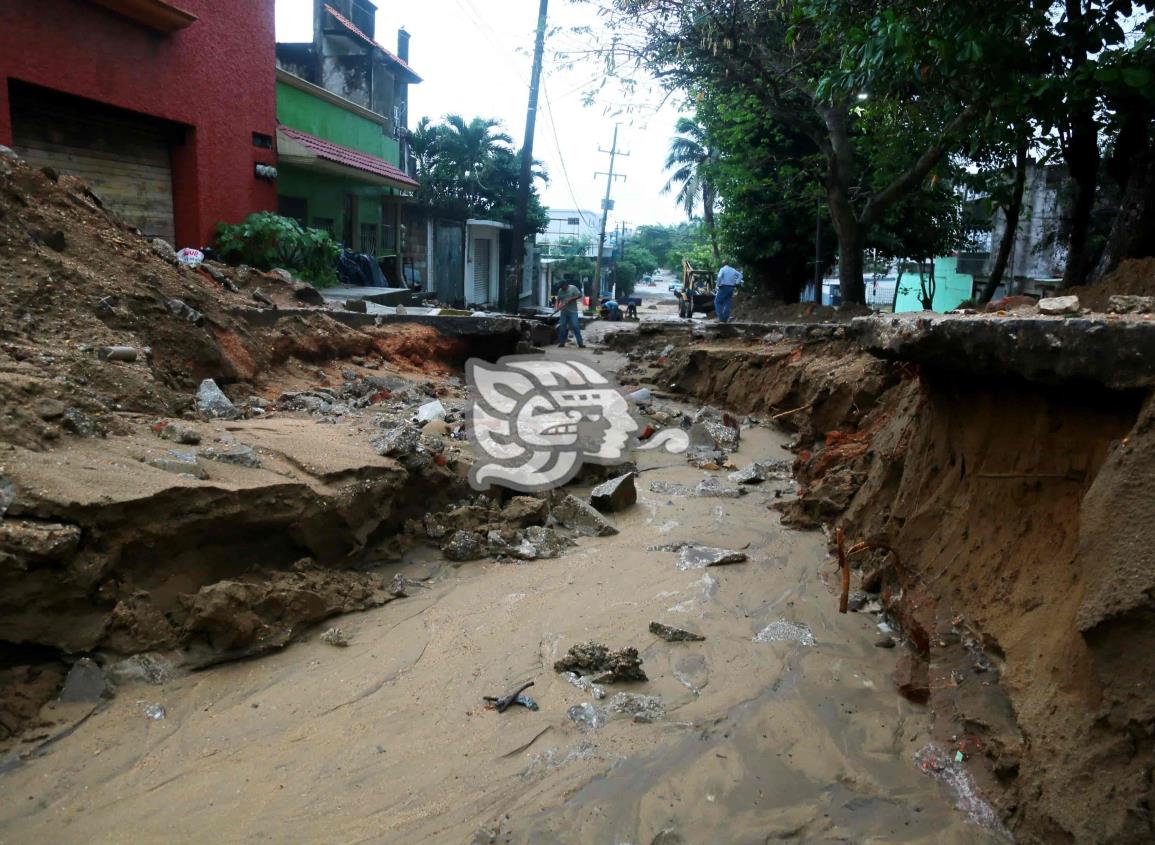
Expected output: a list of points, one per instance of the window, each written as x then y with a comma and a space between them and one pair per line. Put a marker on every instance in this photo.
260, 139
325, 224
295, 207
369, 238
388, 239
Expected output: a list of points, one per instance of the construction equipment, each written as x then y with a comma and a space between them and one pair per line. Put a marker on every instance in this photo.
697, 291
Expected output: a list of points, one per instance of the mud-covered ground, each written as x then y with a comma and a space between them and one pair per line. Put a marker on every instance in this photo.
387, 740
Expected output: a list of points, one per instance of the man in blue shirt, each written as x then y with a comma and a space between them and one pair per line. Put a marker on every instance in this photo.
728, 279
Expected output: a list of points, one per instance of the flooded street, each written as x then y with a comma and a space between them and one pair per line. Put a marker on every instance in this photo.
387, 740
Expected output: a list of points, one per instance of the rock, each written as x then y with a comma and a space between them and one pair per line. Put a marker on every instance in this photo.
34, 540
1057, 305
124, 354
622, 666
307, 294
605, 666
180, 432
86, 682
263, 298
857, 600
335, 637
146, 668
546, 542
782, 630
582, 517
699, 557
183, 311
674, 635
583, 658
514, 545
152, 710
238, 454
912, 677
713, 433
643, 708
885, 641
397, 442
435, 526
80, 423
431, 411
8, 153
522, 511
587, 716
212, 402
281, 274
1123, 304
179, 463
712, 488
464, 545
49, 409
357, 305
615, 495
164, 249
53, 239
760, 471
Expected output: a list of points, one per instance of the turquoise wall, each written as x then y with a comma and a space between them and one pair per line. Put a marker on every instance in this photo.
951, 288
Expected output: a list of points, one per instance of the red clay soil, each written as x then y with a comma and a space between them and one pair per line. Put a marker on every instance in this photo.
1021, 515
1136, 276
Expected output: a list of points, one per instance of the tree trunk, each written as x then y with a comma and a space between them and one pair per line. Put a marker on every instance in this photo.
1012, 213
1133, 232
1081, 153
850, 266
708, 217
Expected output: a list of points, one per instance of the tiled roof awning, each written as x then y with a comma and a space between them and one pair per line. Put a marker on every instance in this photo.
356, 32
301, 148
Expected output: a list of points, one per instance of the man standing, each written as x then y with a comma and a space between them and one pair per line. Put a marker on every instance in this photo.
568, 295
728, 279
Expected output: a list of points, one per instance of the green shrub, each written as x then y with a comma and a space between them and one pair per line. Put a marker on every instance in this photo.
267, 240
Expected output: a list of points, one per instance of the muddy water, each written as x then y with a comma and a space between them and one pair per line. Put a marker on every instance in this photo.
387, 741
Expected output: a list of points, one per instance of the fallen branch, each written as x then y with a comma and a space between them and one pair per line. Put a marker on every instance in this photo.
844, 556
792, 411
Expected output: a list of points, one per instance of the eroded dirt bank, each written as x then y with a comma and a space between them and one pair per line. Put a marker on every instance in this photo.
1021, 513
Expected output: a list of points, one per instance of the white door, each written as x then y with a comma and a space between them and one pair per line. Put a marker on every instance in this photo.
481, 270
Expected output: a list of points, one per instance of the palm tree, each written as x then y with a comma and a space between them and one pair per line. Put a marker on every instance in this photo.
689, 160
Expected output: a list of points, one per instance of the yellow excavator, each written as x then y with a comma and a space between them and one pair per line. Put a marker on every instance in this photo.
697, 291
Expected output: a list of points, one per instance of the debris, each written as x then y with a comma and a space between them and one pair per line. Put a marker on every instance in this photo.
504, 702
843, 561
183, 311
263, 298
714, 434
604, 666
179, 463
912, 677
1124, 304
431, 411
885, 641
546, 542
615, 495
582, 517
238, 454
1057, 305
641, 396
402, 440
464, 546
147, 667
699, 557
781, 631
307, 294
761, 471
190, 257
335, 637
643, 708
596, 690
938, 763
86, 682
712, 488
212, 402
163, 249
180, 432
857, 601
125, 354
515, 545
667, 488
152, 710
674, 635
587, 716
357, 305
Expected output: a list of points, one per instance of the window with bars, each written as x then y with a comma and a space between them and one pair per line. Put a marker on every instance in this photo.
326, 224
369, 238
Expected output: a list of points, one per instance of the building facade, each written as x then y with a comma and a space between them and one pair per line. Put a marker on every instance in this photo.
342, 106
570, 231
165, 108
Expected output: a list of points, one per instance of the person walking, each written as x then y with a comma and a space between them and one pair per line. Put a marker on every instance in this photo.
728, 279
566, 303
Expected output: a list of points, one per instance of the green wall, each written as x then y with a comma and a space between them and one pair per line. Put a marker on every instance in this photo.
301, 110
951, 288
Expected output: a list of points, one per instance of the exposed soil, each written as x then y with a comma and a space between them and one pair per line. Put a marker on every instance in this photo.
1135, 276
1020, 515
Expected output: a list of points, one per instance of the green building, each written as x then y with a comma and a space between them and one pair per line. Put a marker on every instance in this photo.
342, 103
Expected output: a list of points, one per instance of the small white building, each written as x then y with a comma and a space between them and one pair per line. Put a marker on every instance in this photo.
483, 261
567, 228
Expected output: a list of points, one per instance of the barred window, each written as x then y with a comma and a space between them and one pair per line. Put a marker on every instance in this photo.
326, 224
369, 238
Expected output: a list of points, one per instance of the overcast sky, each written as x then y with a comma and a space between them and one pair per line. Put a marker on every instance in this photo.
475, 58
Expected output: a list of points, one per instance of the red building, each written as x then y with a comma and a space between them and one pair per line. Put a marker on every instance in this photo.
166, 108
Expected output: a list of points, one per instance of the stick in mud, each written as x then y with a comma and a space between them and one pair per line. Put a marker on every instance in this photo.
844, 562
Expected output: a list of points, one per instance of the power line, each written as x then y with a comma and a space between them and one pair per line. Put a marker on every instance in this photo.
557, 146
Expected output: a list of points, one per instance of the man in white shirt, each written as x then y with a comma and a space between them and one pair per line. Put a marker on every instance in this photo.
728, 279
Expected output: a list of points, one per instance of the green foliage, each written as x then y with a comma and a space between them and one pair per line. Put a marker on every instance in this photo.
266, 240
469, 169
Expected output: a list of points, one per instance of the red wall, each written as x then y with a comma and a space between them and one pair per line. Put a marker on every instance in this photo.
217, 76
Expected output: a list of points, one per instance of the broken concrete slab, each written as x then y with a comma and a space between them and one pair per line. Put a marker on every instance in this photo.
179, 463
238, 454
86, 682
580, 516
760, 471
712, 488
1056, 305
617, 494
700, 557
674, 635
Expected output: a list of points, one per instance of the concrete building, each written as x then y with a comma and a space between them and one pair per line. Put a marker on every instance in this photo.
342, 104
165, 108
568, 230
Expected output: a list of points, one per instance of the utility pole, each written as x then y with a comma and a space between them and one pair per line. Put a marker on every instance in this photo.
512, 289
606, 206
